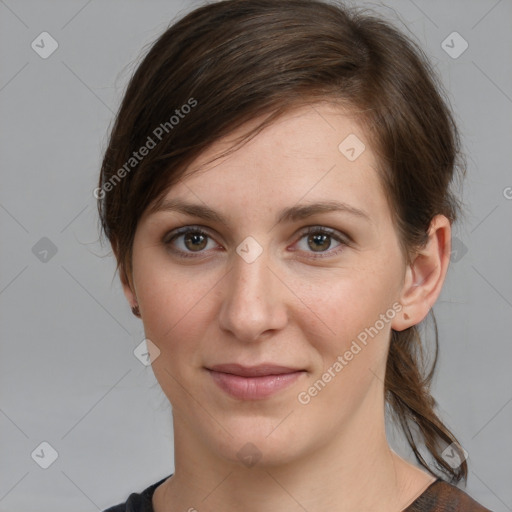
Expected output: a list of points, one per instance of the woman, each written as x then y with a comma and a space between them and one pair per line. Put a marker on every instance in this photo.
276, 191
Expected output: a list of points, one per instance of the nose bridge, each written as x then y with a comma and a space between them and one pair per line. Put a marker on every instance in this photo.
251, 279
251, 304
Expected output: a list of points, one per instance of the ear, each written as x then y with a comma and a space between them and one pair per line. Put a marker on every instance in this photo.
425, 276
128, 288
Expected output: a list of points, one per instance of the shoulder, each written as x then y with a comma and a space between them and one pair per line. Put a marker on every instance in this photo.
138, 502
444, 497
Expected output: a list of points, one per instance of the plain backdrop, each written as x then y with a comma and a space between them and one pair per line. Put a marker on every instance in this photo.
68, 373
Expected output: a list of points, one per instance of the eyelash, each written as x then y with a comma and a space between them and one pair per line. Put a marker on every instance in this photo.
173, 235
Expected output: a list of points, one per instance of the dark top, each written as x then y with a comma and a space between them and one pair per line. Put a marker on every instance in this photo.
439, 496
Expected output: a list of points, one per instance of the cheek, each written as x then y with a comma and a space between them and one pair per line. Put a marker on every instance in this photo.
348, 323
177, 307
351, 339
176, 317
170, 304
342, 304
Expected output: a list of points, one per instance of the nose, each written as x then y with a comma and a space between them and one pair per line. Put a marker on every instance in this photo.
253, 301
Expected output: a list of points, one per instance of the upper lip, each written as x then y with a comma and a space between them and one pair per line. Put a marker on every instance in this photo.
253, 371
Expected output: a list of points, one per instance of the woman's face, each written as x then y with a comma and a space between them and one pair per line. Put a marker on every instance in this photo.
291, 260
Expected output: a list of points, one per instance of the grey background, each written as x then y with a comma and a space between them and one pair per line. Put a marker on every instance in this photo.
68, 375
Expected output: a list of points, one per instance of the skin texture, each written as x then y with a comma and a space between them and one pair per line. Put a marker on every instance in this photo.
299, 304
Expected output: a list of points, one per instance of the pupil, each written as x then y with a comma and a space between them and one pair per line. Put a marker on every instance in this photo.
319, 242
198, 241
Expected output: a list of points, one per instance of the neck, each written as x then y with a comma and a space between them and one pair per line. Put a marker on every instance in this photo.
355, 470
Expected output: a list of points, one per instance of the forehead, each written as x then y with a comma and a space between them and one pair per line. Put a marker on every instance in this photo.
314, 152
323, 131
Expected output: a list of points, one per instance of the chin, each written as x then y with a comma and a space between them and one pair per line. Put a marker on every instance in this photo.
261, 442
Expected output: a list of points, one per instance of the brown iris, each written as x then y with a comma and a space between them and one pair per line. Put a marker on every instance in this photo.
195, 241
320, 242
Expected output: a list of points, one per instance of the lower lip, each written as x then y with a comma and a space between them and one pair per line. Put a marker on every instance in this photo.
253, 388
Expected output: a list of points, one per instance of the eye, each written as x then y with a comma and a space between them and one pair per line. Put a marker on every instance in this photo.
192, 241
320, 240
189, 241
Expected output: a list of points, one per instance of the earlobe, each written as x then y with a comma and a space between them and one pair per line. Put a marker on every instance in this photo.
425, 276
129, 292
128, 287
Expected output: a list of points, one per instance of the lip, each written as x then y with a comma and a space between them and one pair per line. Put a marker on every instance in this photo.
253, 382
259, 370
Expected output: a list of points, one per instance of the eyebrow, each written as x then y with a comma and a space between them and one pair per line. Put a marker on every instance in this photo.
290, 214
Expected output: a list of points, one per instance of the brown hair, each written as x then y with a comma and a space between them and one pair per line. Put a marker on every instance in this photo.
231, 61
